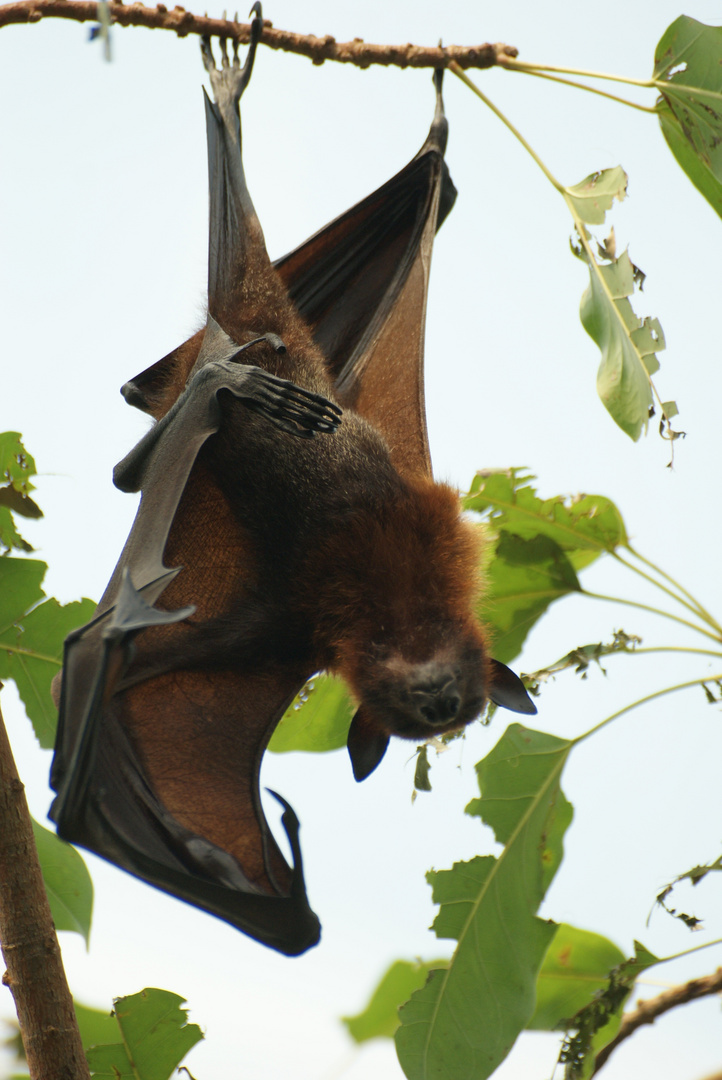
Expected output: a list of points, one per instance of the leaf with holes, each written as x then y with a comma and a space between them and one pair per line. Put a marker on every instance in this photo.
594, 196
584, 526
688, 72
317, 720
628, 344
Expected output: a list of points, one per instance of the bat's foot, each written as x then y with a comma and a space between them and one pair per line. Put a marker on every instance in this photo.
232, 79
288, 406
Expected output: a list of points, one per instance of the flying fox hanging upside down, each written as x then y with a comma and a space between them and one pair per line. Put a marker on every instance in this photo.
298, 540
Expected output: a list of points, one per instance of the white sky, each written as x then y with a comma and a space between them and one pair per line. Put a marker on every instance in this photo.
102, 271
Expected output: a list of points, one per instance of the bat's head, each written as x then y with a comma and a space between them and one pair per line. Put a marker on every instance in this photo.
418, 698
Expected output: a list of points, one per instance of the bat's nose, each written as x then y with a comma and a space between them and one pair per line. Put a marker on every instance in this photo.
435, 695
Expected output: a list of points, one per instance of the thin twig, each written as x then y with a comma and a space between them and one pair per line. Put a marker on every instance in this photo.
317, 49
648, 1011
30, 947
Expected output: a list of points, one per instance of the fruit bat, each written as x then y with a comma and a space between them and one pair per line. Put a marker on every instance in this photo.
275, 538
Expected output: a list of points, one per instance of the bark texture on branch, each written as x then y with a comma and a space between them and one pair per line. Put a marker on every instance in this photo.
29, 944
317, 49
647, 1012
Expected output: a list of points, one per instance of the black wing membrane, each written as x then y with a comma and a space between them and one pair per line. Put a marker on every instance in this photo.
156, 768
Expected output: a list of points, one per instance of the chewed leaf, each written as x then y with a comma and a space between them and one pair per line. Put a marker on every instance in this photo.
628, 344
16, 468
16, 464
154, 1036
688, 73
596, 193
582, 525
464, 1021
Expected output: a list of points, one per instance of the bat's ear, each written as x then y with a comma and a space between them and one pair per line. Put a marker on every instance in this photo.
366, 745
506, 689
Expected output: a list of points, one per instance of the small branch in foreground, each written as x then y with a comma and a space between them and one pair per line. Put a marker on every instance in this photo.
30, 947
648, 1011
317, 49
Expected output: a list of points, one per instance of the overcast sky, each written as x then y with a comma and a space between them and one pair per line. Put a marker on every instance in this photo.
103, 207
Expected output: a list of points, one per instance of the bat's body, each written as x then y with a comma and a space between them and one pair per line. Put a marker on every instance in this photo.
337, 552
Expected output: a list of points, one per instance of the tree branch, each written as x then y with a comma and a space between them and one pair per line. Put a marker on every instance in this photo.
317, 49
30, 947
648, 1011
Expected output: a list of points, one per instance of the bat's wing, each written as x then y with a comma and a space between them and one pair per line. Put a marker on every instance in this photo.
157, 770
106, 802
361, 285
157, 760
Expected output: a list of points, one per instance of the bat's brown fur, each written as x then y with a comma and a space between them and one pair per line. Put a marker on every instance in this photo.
291, 555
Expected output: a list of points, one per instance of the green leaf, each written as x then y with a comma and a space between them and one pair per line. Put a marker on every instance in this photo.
628, 345
19, 504
422, 779
9, 535
67, 882
690, 109
16, 464
523, 579
96, 1025
464, 1021
596, 193
31, 639
155, 1034
318, 719
583, 525
20, 590
16, 468
380, 1018
597, 1023
576, 966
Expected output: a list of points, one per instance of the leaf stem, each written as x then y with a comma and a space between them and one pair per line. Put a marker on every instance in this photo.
653, 610
648, 607
461, 74
703, 613
643, 701
30, 652
688, 952
666, 648
693, 607
583, 86
579, 225
512, 64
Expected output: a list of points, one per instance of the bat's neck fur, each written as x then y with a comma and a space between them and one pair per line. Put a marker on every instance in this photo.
413, 575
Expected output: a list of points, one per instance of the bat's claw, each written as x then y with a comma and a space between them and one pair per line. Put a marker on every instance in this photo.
290, 407
132, 613
231, 77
